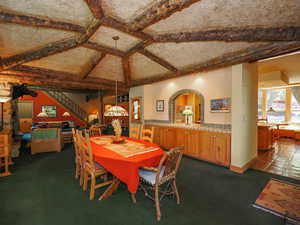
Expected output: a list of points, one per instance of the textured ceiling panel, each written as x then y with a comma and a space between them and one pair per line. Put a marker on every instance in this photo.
74, 11
143, 67
220, 14
75, 60
104, 36
183, 55
15, 39
109, 68
124, 10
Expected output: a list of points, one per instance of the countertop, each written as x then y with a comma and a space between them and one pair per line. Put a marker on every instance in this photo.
193, 127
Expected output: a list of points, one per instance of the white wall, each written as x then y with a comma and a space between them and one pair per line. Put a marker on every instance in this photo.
212, 85
244, 114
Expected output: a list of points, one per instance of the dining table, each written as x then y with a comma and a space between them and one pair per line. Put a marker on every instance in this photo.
123, 160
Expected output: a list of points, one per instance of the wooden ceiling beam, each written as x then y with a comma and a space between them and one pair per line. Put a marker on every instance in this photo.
55, 74
95, 7
243, 56
101, 48
113, 23
126, 70
137, 47
158, 60
94, 64
17, 18
157, 11
49, 49
249, 35
39, 80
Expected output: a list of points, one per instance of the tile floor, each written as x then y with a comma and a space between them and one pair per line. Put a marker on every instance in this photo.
283, 159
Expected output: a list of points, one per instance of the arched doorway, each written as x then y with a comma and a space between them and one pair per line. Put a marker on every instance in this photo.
176, 104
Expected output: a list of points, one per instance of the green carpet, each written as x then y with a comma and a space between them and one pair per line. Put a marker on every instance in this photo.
42, 191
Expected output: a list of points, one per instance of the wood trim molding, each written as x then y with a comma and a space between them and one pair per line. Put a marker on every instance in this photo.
9, 17
244, 168
250, 35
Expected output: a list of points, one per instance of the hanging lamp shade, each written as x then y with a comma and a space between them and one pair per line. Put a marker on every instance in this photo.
116, 111
66, 114
271, 109
42, 114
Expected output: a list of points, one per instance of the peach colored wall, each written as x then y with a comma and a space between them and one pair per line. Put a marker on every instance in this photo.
212, 85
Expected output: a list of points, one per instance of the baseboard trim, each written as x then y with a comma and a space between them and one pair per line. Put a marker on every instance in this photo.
243, 169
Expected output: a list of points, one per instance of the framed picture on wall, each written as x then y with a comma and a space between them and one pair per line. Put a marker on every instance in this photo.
221, 105
160, 106
50, 110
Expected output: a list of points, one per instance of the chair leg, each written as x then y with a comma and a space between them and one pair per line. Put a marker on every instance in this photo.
85, 180
157, 204
77, 171
81, 175
6, 170
93, 183
176, 191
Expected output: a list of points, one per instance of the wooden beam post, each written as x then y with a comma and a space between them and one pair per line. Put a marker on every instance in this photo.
157, 11
126, 70
49, 49
158, 60
8, 17
105, 49
94, 64
246, 55
95, 7
249, 35
111, 22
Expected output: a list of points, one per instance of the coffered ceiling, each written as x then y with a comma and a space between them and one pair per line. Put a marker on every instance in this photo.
69, 43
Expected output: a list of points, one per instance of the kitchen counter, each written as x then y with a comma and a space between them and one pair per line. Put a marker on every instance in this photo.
204, 127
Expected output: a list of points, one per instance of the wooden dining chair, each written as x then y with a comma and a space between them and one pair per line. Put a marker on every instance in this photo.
91, 169
78, 158
4, 154
161, 180
94, 131
147, 134
134, 132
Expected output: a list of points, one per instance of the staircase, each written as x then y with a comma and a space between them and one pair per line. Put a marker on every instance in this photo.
68, 103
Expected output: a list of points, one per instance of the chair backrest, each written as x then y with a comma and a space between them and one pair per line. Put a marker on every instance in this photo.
147, 134
94, 131
134, 132
86, 150
170, 162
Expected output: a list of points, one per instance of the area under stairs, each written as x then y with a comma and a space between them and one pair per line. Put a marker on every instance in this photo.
68, 103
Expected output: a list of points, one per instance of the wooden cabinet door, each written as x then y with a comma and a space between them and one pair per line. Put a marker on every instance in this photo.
221, 149
192, 143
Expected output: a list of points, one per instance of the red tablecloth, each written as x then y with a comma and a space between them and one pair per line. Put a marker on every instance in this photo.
126, 169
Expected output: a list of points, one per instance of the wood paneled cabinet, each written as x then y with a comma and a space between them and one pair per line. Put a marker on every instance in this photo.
210, 146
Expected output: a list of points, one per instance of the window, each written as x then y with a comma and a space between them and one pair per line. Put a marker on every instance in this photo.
276, 104
295, 110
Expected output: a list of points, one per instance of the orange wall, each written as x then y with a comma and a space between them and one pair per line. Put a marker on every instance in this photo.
43, 99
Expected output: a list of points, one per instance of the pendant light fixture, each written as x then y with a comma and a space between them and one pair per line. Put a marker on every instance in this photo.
116, 110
